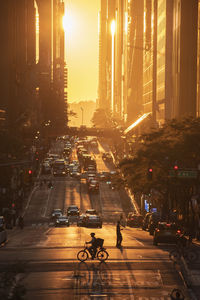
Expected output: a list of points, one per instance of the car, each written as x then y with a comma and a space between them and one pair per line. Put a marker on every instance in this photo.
2, 223
107, 157
75, 174
73, 213
72, 208
166, 233
81, 220
93, 221
146, 221
62, 220
93, 186
104, 176
56, 212
134, 220
91, 211
153, 221
3, 236
59, 168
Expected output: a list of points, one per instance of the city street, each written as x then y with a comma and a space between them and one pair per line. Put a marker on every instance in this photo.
138, 270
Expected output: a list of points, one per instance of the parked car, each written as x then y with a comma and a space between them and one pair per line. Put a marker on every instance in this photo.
153, 221
62, 220
134, 220
93, 221
166, 233
146, 221
3, 236
2, 223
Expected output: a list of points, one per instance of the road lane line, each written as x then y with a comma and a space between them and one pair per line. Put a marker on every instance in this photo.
47, 203
29, 199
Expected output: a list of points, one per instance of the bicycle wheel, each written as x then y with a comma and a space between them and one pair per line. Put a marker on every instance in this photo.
174, 255
102, 255
190, 255
82, 255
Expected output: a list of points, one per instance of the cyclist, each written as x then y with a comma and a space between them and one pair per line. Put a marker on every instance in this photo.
93, 248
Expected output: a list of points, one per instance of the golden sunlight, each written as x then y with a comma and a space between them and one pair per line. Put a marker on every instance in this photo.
69, 23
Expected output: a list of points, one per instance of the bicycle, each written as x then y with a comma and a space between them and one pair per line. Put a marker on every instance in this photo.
101, 255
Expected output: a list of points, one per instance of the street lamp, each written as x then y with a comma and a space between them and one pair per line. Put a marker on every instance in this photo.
113, 63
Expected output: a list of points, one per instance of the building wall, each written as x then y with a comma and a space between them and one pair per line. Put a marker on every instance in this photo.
156, 63
148, 57
198, 64
102, 88
184, 58
161, 62
18, 70
135, 49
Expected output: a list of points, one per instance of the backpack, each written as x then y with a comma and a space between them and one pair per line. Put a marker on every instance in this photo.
99, 242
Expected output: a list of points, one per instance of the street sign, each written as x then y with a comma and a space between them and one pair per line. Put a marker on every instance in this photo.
183, 173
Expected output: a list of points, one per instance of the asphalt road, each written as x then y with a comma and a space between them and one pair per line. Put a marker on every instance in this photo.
45, 256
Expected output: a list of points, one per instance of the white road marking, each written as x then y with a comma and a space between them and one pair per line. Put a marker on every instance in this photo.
47, 203
29, 199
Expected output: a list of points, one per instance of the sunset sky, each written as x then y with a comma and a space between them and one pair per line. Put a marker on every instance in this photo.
82, 48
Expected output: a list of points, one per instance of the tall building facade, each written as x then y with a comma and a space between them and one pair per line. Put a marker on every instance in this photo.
32, 63
17, 61
156, 59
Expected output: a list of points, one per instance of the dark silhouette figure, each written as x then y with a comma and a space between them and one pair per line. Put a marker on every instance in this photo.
93, 248
21, 222
119, 235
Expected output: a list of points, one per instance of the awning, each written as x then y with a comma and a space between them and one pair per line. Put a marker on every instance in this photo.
138, 121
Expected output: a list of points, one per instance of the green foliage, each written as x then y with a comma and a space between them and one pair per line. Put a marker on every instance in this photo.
102, 118
177, 142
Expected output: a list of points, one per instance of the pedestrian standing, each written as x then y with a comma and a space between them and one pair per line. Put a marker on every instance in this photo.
119, 235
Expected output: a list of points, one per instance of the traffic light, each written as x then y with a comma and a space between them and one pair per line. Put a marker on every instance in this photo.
30, 174
175, 167
149, 173
36, 156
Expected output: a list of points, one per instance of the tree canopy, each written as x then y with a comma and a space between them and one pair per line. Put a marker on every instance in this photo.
177, 143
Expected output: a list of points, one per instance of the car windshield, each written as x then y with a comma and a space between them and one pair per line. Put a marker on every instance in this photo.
62, 218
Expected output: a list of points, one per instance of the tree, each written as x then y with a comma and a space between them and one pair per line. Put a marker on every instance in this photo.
176, 143
102, 118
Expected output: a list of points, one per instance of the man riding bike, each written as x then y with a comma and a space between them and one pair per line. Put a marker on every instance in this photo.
93, 248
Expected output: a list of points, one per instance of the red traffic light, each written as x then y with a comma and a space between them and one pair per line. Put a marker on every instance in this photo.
29, 172
150, 170
175, 167
13, 205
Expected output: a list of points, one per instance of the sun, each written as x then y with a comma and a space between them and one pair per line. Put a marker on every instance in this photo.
69, 24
